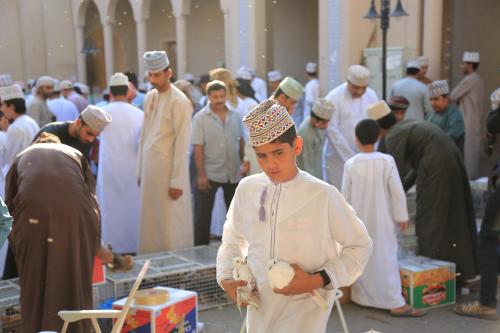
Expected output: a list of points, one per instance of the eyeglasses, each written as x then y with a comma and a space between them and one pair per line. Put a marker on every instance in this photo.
262, 210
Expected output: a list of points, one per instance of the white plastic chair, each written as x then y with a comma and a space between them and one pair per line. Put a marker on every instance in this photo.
93, 315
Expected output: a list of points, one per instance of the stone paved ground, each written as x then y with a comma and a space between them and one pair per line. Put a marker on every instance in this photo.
439, 320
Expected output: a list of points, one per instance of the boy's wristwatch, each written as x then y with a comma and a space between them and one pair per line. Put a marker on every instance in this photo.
325, 277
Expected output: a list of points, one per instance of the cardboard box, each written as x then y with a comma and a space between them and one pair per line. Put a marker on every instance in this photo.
178, 314
99, 273
428, 283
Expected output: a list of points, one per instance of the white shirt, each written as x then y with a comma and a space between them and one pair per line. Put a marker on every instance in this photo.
20, 134
63, 109
260, 88
305, 219
311, 93
341, 139
117, 189
371, 184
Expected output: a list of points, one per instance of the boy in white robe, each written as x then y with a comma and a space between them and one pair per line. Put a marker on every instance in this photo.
288, 215
371, 184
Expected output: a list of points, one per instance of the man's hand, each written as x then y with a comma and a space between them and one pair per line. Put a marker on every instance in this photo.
230, 287
105, 255
403, 226
4, 124
203, 183
301, 283
244, 168
174, 193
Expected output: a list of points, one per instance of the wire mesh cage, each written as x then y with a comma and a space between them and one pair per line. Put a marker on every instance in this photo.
103, 295
189, 269
10, 310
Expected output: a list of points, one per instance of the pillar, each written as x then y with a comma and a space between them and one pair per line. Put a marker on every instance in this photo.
107, 28
432, 36
181, 39
81, 72
141, 46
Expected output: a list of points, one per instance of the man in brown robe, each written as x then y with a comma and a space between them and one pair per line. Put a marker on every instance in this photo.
50, 192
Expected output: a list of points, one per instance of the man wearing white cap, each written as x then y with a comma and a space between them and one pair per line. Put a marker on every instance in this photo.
311, 89
288, 93
80, 133
67, 90
469, 95
414, 91
166, 218
63, 109
274, 78
117, 189
258, 85
312, 130
426, 157
446, 115
350, 100
284, 214
38, 109
21, 132
423, 61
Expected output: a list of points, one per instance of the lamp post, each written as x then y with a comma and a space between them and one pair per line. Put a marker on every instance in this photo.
384, 16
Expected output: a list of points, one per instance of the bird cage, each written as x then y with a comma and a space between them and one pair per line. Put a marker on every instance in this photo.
10, 308
189, 269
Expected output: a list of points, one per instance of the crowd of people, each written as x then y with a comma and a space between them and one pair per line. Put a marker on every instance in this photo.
156, 165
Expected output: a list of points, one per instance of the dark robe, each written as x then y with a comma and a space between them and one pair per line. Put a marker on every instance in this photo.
445, 221
50, 194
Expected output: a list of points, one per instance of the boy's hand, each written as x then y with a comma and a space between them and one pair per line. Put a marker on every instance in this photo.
403, 226
230, 287
301, 283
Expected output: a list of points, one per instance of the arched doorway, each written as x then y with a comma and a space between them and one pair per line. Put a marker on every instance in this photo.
93, 47
125, 38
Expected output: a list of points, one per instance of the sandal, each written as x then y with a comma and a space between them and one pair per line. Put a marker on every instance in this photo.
411, 312
476, 310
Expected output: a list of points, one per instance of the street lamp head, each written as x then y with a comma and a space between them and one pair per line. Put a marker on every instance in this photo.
372, 12
398, 10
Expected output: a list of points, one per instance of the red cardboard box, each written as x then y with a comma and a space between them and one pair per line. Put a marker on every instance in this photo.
99, 273
178, 314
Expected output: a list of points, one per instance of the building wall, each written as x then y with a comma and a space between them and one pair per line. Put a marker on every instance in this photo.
38, 42
161, 24
476, 28
125, 38
11, 54
205, 31
59, 38
292, 31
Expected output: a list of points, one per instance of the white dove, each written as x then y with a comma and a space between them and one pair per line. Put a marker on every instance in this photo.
244, 293
281, 273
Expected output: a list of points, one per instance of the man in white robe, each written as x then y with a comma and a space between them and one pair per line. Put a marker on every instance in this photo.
117, 190
311, 89
259, 86
38, 109
288, 215
351, 99
166, 216
21, 132
371, 184
469, 95
63, 109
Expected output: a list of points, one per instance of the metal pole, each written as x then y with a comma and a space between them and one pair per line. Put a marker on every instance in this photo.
384, 25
